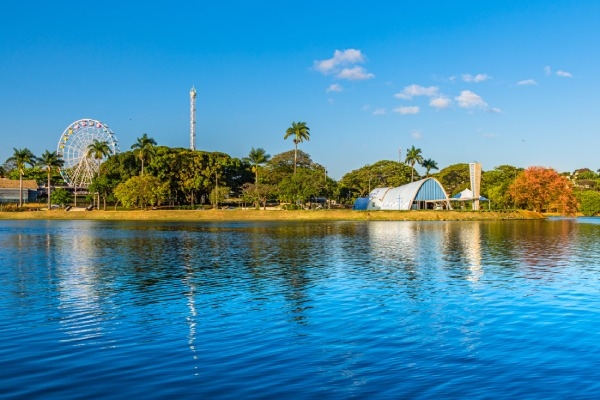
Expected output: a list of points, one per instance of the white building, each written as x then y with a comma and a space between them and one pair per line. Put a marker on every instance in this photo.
426, 194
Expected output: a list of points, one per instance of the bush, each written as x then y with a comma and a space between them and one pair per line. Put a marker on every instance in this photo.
291, 207
12, 208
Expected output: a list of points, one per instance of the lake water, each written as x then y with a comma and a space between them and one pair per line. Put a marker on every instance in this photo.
93, 309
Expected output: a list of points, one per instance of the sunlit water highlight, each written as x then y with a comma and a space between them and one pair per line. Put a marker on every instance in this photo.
300, 310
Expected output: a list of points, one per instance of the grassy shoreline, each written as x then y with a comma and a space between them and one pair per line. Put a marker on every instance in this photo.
271, 215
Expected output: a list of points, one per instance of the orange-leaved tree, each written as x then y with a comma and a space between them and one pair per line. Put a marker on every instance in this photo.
543, 190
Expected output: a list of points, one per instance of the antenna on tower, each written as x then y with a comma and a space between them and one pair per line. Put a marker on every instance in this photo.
193, 118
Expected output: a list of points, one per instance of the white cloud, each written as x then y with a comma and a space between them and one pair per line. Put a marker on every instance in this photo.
406, 110
355, 73
547, 70
440, 102
340, 57
335, 87
564, 74
476, 78
416, 90
379, 111
468, 99
527, 82
416, 135
494, 110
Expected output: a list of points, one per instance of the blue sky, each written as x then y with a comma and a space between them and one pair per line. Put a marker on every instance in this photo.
505, 82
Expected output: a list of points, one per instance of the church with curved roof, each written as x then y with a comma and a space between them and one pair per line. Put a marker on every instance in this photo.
425, 194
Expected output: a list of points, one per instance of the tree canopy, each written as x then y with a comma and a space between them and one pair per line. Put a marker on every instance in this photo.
543, 189
454, 178
383, 173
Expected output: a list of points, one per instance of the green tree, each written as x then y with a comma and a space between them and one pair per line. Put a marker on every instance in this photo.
300, 132
454, 178
301, 187
281, 165
258, 195
589, 202
50, 162
34, 173
218, 195
104, 186
61, 196
413, 156
384, 173
495, 185
21, 158
193, 173
97, 150
144, 148
429, 164
256, 158
190, 174
120, 167
141, 191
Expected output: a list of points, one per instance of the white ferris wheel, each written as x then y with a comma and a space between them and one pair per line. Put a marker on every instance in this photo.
79, 166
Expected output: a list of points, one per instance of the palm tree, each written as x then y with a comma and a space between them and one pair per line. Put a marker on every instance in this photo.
98, 150
21, 157
257, 157
50, 162
429, 164
300, 132
143, 148
413, 156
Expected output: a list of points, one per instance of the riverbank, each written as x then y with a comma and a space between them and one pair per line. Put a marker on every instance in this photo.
271, 215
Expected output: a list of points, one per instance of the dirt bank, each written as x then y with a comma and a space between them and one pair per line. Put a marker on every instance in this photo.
271, 215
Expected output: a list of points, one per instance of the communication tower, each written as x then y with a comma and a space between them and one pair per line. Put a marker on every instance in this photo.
193, 118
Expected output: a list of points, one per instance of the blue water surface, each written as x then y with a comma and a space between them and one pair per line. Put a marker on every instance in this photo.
507, 309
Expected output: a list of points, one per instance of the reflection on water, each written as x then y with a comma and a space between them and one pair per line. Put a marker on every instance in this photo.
335, 309
412, 244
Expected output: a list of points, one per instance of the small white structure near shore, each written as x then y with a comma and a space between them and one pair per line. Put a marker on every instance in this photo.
425, 194
468, 196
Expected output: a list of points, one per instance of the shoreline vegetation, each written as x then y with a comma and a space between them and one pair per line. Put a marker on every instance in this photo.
271, 215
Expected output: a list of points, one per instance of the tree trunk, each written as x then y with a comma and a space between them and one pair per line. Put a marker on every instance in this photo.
295, 156
48, 189
20, 189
